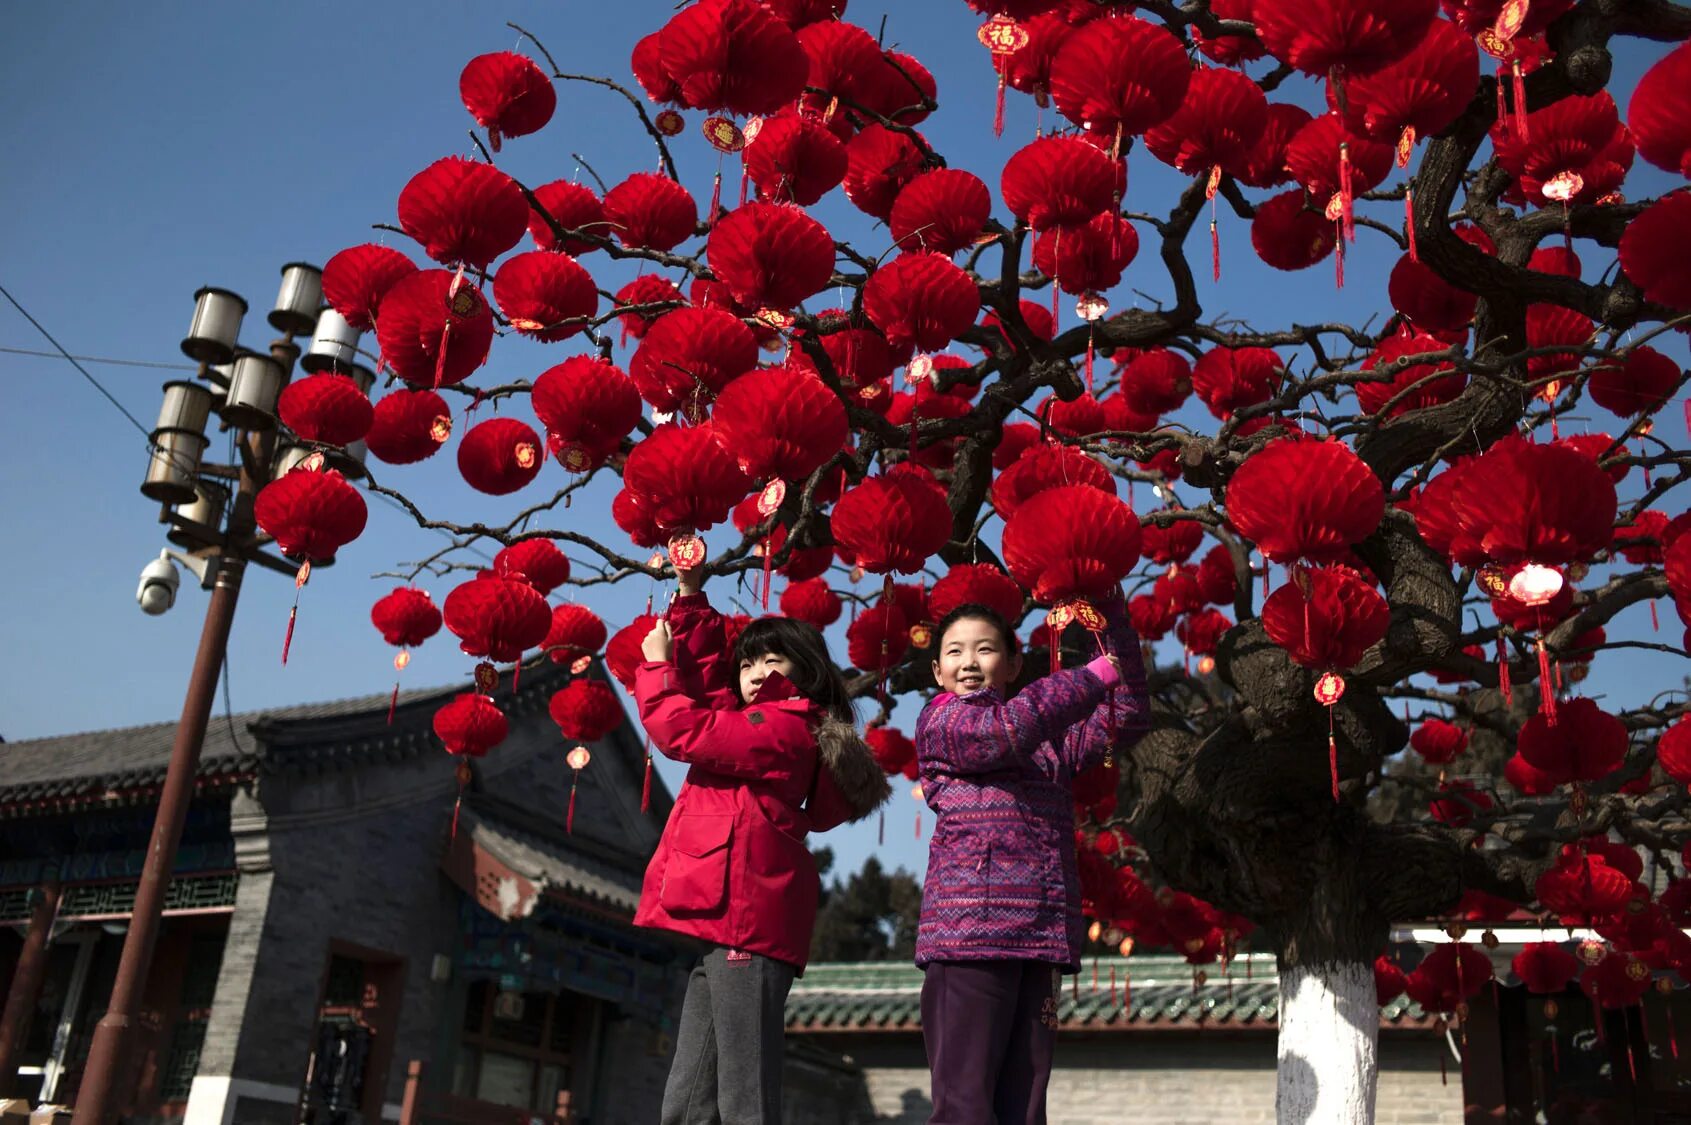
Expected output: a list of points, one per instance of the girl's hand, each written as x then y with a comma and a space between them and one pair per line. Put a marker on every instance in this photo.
659, 643
1115, 662
690, 581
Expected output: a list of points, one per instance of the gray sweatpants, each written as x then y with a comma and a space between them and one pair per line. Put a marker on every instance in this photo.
728, 1051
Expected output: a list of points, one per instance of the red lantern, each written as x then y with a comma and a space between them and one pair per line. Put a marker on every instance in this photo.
1118, 77
497, 617
1157, 382
1170, 543
588, 406
1573, 151
1448, 977
943, 211
1326, 617
1350, 36
499, 456
535, 561
781, 422
1305, 499
407, 426
1219, 125
1329, 160
1582, 742
802, 562
921, 300
1418, 95
585, 709
1673, 751
1660, 112
507, 94
576, 633
1045, 467
326, 407
771, 255
689, 356
546, 296
406, 618
1476, 17
1229, 379
898, 89
684, 477
844, 61
893, 522
1639, 384
623, 655
463, 212
311, 514
1081, 417
1077, 542
433, 330
1656, 248
730, 55
976, 584
1431, 303
632, 513
1582, 886
647, 64
878, 639
811, 601
879, 162
1619, 980
1389, 980
794, 159
651, 212
1266, 167
892, 751
646, 291
1290, 236
575, 207
356, 279
1200, 632
1527, 778
1061, 181
1458, 802
470, 726
1522, 502
1038, 320
1414, 387
1545, 967
1438, 742
1088, 258
1218, 582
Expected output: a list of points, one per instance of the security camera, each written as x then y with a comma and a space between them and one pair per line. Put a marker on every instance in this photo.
157, 591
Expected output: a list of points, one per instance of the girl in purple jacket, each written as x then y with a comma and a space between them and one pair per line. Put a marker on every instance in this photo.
1001, 905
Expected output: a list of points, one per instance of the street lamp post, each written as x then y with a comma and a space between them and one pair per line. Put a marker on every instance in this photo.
209, 508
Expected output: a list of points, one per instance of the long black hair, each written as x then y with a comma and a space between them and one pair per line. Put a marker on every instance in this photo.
974, 611
814, 673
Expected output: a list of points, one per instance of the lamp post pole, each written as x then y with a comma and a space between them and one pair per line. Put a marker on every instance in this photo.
253, 385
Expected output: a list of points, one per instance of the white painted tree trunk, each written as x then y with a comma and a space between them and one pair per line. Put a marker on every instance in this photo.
1329, 1035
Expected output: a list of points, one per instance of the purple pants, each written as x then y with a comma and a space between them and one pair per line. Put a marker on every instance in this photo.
990, 1027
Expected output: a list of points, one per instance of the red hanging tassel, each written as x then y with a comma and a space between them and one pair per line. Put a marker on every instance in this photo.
516, 674
1520, 84
1347, 198
998, 110
463, 774
1502, 102
646, 785
1089, 353
440, 356
1503, 683
393, 702
1215, 251
1056, 258
745, 177
1409, 222
288, 637
1332, 756
1655, 622
768, 556
715, 197
1339, 260
918, 824
1673, 1035
1546, 689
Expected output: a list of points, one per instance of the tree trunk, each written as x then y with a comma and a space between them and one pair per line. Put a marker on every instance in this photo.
1329, 1034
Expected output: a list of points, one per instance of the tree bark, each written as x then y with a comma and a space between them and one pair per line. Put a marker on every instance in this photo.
1329, 1038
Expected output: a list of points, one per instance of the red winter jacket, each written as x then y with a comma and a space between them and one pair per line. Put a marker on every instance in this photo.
732, 867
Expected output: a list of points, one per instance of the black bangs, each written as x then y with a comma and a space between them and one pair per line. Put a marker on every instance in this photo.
973, 611
814, 673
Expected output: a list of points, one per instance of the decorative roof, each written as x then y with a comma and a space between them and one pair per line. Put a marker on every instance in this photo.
1149, 993
506, 864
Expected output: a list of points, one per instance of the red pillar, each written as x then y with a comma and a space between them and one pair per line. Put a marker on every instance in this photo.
26, 982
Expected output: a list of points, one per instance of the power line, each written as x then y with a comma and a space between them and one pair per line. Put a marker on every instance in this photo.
133, 421
103, 359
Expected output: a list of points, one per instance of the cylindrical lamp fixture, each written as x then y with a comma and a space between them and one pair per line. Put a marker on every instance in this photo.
216, 325
175, 459
186, 406
288, 458
364, 377
300, 298
334, 345
349, 459
206, 509
253, 387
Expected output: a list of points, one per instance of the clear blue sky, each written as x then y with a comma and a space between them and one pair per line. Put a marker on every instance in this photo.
152, 150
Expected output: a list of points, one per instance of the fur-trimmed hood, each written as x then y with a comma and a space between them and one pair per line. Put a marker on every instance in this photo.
849, 783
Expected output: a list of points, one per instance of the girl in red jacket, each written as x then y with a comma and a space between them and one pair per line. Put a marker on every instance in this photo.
767, 734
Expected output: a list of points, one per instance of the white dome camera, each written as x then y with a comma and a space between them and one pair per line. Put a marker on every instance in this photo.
159, 581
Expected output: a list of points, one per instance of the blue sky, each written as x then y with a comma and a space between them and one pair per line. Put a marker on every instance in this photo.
155, 149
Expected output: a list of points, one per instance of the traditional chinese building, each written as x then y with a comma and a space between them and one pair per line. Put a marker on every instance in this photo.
332, 950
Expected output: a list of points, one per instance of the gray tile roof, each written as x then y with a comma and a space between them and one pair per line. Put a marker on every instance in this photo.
552, 864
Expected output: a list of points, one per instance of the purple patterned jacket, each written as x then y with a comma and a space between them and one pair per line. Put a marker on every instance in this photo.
1002, 882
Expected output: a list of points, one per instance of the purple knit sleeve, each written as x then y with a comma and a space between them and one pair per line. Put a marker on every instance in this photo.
981, 732
1124, 715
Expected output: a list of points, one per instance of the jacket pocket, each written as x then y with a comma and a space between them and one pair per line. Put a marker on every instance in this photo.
696, 878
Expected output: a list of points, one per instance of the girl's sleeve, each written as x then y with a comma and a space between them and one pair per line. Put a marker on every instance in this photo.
701, 655
762, 742
982, 733
1124, 715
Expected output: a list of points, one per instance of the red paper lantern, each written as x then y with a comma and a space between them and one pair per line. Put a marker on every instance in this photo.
1326, 617
1038, 320
326, 407
689, 355
1061, 181
1545, 967
1079, 418
1673, 751
684, 477
1660, 112
431, 334
802, 562
1118, 77
898, 89
1088, 258
1389, 980
812, 601
1656, 250
356, 279
535, 561
1438, 742
1583, 743
878, 639
406, 617
507, 94
921, 300
311, 514
585, 710
801, 13
576, 631
771, 255
646, 290
546, 296
1219, 125
892, 751
1527, 778
1305, 499
651, 212
497, 617
893, 522
1521, 502
575, 207
1200, 632
1157, 382
1477, 17
647, 64
407, 426
1266, 167
1619, 980
944, 211
632, 513
1639, 384
1288, 235
1573, 151
1171, 543
844, 61
1351, 36
1218, 582
1317, 156
730, 55
463, 212
1448, 977
879, 162
1458, 802
1046, 467
1229, 379
1077, 542
779, 422
1152, 617
623, 655
499, 456
1581, 886
1414, 387
1431, 303
1559, 260
794, 159
976, 584
1418, 95
470, 726
588, 406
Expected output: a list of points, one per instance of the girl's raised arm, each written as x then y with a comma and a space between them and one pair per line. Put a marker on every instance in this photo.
701, 657
1124, 715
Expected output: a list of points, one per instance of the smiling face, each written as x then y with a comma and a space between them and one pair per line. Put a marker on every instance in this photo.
973, 655
754, 672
